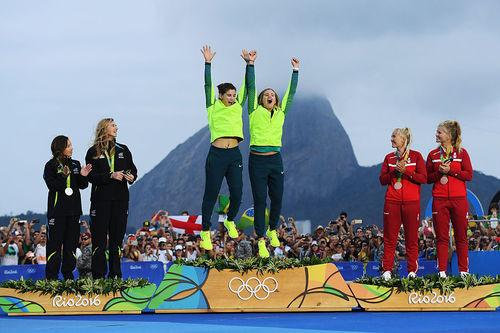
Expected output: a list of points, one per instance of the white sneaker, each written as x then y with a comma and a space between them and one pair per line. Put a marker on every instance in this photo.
464, 274
412, 275
386, 276
442, 274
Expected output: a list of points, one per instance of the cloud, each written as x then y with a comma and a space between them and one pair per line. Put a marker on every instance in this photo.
382, 64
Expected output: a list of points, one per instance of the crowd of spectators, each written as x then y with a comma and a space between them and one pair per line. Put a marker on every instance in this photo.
341, 240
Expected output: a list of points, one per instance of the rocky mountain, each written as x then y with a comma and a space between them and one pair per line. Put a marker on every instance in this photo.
322, 173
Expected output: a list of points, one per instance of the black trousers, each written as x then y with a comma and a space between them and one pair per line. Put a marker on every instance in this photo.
266, 176
108, 222
62, 240
222, 163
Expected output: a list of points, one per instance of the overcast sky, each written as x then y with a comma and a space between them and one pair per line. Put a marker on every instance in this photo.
382, 64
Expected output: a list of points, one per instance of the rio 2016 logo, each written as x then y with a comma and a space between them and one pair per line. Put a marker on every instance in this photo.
253, 287
434, 298
76, 301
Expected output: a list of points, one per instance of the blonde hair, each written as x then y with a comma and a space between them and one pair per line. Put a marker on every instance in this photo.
405, 132
452, 127
101, 141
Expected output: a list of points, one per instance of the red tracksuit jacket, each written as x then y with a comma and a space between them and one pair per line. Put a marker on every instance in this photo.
460, 172
414, 175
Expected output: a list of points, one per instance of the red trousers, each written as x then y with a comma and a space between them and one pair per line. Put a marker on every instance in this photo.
444, 209
394, 214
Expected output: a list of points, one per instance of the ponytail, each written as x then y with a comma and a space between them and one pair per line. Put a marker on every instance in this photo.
405, 132
452, 127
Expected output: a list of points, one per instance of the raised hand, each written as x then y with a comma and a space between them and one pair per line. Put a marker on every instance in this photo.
295, 63
249, 57
207, 53
245, 55
252, 56
86, 170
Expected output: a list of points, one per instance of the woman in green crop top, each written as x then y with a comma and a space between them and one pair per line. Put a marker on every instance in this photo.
224, 160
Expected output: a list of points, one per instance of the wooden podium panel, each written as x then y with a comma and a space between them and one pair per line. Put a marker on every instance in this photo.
196, 289
480, 298
129, 301
312, 288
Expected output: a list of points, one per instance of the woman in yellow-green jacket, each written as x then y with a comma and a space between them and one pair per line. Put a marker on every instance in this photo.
267, 116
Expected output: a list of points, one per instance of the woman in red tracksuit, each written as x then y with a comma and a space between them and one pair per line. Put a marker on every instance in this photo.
402, 171
448, 168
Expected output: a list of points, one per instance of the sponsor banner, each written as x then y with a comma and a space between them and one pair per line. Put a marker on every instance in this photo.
151, 270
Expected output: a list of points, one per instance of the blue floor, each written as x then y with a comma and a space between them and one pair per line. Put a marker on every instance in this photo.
428, 322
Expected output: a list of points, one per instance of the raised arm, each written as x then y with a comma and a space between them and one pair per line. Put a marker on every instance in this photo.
250, 57
292, 86
208, 55
242, 93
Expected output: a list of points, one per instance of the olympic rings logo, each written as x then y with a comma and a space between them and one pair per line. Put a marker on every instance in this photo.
253, 287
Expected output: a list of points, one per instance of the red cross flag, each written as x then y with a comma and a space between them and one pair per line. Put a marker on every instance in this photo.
186, 224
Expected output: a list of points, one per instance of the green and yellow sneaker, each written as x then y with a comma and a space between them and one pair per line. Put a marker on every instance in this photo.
273, 237
263, 252
206, 241
231, 229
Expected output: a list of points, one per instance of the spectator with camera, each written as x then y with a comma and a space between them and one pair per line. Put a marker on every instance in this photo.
13, 249
165, 253
192, 251
149, 254
179, 252
131, 251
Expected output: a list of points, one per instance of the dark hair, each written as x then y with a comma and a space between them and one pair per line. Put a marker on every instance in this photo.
59, 143
225, 87
343, 213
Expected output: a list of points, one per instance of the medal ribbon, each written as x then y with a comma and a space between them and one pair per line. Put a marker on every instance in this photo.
111, 161
443, 152
68, 180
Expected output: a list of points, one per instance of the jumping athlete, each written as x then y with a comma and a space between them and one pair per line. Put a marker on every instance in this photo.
267, 116
403, 171
64, 178
224, 157
112, 169
448, 168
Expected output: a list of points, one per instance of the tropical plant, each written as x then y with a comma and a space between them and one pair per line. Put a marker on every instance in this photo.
261, 265
84, 286
430, 282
